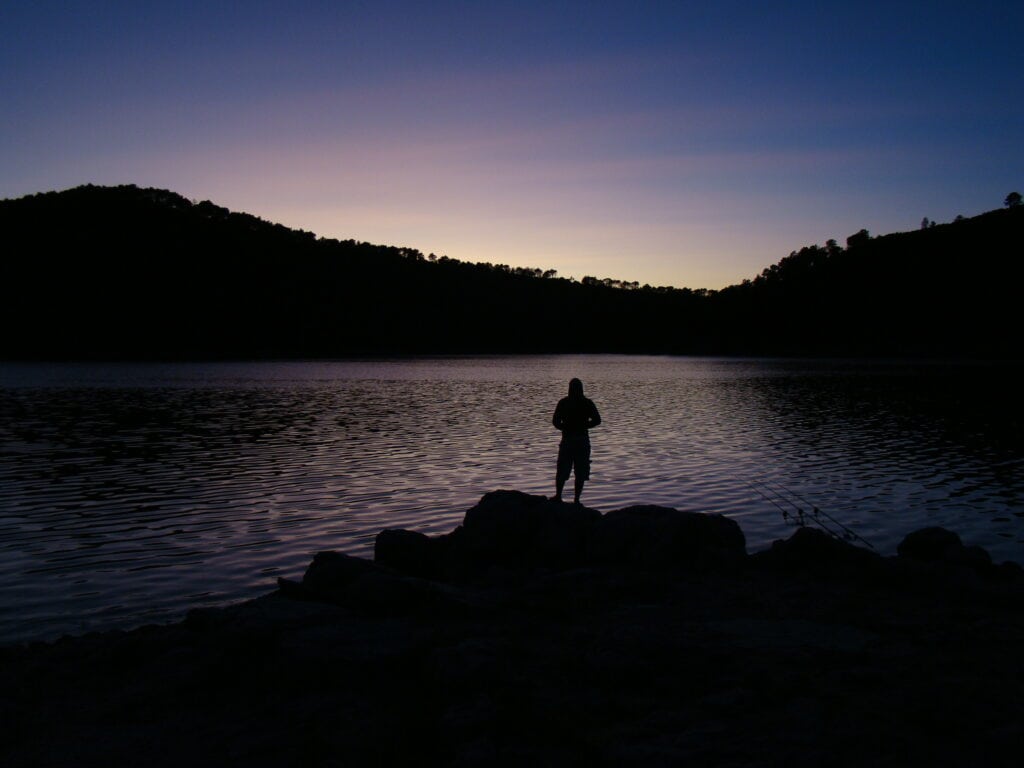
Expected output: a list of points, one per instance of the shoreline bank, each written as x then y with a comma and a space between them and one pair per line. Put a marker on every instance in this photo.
552, 634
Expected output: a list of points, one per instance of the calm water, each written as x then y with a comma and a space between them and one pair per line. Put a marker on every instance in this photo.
129, 493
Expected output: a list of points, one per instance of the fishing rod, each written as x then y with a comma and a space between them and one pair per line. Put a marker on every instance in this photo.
798, 516
770, 500
778, 500
779, 493
848, 533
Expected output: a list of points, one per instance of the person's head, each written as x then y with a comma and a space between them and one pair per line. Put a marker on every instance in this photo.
575, 388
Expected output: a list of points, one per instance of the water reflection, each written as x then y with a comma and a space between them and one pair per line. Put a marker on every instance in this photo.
130, 492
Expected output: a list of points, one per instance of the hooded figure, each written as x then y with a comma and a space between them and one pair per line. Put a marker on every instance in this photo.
574, 416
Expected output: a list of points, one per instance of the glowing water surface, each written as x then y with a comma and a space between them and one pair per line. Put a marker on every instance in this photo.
132, 492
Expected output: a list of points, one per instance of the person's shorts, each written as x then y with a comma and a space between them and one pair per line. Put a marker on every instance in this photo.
573, 453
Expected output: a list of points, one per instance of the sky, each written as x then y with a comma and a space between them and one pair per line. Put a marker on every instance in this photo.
672, 143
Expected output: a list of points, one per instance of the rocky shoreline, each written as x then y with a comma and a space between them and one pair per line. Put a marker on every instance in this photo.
549, 634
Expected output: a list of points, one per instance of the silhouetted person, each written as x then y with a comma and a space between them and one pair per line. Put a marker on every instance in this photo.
574, 415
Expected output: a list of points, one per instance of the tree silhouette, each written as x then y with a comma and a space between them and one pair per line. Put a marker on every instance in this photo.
858, 239
130, 273
1012, 200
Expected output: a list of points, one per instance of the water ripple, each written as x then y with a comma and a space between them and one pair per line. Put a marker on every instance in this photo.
129, 493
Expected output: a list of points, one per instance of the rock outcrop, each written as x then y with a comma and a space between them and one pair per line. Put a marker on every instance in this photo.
514, 529
814, 550
944, 550
549, 634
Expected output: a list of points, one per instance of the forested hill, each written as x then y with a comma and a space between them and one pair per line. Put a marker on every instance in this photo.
129, 273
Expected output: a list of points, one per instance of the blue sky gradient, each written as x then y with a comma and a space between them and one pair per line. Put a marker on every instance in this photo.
678, 143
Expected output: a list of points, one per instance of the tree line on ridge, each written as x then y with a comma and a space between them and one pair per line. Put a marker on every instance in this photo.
130, 273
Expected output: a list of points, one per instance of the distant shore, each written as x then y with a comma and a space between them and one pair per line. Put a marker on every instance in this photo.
258, 290
549, 634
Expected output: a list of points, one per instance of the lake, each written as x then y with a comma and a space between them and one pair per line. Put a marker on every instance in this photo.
130, 493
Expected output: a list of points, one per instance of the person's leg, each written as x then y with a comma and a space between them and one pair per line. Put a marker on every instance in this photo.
581, 466
562, 469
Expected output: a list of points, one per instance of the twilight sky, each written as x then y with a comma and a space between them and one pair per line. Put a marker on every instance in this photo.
673, 143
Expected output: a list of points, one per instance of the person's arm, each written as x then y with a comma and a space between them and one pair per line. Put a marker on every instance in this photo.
595, 417
557, 421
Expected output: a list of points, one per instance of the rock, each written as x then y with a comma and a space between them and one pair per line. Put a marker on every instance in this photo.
293, 589
381, 593
330, 574
976, 557
410, 552
661, 536
501, 526
815, 549
374, 589
929, 544
938, 545
1010, 570
513, 529
379, 590
563, 535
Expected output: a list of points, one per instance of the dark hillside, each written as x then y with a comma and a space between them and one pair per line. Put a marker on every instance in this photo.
952, 289
135, 273
124, 272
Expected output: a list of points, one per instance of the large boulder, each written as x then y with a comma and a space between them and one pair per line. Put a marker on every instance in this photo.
369, 587
943, 549
655, 536
330, 574
563, 534
814, 549
938, 545
514, 528
410, 552
502, 525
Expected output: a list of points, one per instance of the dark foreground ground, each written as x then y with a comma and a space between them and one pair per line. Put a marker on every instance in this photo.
643, 637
